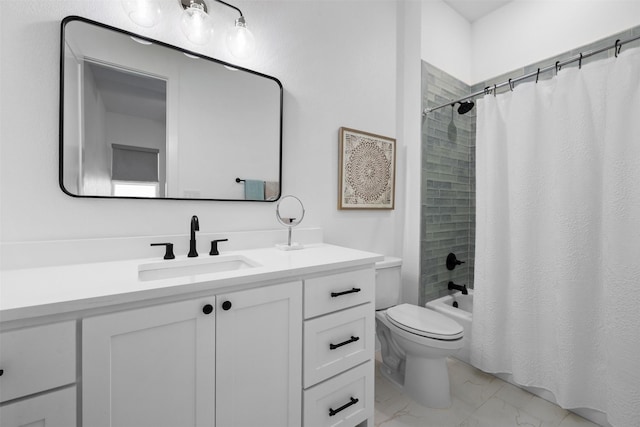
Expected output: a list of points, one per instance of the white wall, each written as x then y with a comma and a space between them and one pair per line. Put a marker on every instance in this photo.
446, 39
96, 154
236, 136
409, 134
336, 60
518, 34
527, 31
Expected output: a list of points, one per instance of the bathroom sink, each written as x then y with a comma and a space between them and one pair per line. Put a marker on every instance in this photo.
193, 266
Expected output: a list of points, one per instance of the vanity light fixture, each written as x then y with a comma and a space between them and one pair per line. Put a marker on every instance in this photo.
196, 25
240, 40
195, 22
145, 13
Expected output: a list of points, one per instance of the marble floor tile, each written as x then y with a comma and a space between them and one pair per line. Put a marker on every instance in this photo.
478, 400
550, 414
497, 412
573, 420
514, 396
404, 412
471, 385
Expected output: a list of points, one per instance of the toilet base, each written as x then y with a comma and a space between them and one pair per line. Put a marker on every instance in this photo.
395, 377
427, 381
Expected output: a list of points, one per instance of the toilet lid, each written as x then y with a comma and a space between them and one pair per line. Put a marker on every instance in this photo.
424, 322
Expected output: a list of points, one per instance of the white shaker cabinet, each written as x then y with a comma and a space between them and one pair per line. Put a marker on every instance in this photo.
225, 361
339, 345
54, 409
258, 357
152, 366
37, 376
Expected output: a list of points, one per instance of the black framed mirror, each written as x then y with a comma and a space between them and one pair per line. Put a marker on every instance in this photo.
143, 119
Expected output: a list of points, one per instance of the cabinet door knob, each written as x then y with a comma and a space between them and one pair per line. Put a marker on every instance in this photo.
207, 309
226, 305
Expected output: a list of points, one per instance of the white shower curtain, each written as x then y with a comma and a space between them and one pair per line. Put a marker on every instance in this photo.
557, 267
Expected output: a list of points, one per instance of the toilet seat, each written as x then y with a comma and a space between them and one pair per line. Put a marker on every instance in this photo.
424, 322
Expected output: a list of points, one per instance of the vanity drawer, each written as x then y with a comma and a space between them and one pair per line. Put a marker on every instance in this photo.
345, 400
55, 409
37, 359
338, 291
337, 342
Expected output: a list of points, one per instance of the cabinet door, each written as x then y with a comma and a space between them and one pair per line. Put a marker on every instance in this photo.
55, 409
150, 367
259, 357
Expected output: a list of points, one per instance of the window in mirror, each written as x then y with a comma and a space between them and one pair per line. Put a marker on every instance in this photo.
135, 189
132, 165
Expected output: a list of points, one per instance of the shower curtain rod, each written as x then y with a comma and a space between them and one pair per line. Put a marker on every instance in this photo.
511, 82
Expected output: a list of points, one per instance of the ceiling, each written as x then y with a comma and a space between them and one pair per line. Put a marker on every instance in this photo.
130, 93
472, 10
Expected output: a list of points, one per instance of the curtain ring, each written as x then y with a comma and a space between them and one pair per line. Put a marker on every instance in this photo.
510, 85
558, 66
580, 61
537, 75
487, 91
495, 90
616, 47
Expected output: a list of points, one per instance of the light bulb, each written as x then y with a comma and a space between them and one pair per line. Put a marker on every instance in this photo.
145, 13
196, 24
240, 41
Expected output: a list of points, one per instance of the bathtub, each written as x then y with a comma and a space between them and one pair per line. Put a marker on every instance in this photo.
463, 314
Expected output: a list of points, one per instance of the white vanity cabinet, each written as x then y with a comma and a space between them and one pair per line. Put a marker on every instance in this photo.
38, 373
286, 341
225, 360
151, 366
258, 360
339, 345
53, 409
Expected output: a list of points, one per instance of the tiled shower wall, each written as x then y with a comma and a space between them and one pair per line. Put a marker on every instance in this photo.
448, 185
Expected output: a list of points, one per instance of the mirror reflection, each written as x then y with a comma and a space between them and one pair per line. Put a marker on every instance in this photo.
144, 119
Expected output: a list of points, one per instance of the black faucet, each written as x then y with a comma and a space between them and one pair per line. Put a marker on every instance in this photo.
463, 288
195, 226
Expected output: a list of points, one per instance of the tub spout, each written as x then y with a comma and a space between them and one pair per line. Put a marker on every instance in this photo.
461, 288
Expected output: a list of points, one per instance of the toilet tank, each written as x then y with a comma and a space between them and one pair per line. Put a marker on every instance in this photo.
388, 279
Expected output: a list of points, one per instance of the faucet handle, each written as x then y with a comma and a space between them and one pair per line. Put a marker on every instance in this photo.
452, 261
169, 251
214, 246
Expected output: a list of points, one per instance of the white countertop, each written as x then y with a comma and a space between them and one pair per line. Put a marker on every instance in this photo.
32, 292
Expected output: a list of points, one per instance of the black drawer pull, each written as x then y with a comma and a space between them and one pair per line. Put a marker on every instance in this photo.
334, 346
353, 401
337, 294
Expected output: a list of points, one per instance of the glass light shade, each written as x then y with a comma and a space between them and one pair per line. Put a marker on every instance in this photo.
240, 41
145, 13
196, 24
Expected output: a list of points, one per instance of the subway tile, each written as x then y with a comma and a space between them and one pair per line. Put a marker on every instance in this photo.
446, 173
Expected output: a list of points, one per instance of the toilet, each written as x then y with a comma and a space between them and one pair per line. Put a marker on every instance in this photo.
415, 341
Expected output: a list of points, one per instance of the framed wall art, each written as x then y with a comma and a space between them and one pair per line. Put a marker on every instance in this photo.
367, 170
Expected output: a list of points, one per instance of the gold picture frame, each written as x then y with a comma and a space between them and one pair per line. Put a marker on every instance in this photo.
367, 170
